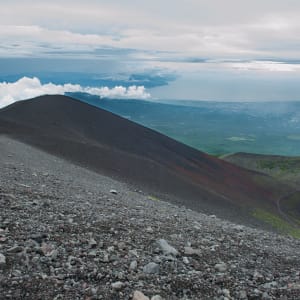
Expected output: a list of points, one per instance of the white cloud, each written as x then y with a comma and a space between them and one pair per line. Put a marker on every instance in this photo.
265, 66
26, 88
192, 28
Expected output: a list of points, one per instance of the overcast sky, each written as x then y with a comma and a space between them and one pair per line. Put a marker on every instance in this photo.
212, 46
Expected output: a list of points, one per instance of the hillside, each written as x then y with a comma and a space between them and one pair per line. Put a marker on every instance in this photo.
65, 235
163, 167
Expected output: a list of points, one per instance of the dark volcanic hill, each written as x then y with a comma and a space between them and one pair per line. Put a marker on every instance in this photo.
108, 144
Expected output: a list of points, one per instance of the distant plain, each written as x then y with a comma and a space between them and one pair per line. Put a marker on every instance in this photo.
217, 128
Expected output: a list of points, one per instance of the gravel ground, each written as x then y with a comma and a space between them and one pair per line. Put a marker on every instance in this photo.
68, 233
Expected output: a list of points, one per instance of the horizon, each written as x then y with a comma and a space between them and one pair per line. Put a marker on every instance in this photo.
244, 52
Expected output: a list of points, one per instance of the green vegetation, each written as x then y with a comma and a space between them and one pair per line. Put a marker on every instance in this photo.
283, 168
291, 206
276, 222
283, 164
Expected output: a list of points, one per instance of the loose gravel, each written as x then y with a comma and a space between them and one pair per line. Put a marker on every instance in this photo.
68, 233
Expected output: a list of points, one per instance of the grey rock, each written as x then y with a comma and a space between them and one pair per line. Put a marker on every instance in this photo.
92, 243
226, 293
189, 251
121, 246
166, 248
270, 285
53, 254
137, 295
133, 265
47, 249
15, 249
242, 295
2, 260
185, 260
257, 275
112, 191
151, 268
221, 267
156, 297
266, 296
149, 229
133, 253
92, 253
105, 257
111, 249
118, 285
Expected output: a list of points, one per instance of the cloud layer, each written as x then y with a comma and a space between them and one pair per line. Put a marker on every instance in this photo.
125, 30
26, 88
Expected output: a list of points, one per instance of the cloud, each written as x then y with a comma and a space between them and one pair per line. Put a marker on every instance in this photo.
26, 88
269, 66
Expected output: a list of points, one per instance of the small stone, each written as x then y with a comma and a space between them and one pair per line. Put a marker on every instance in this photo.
242, 295
151, 268
257, 292
137, 295
133, 253
15, 249
185, 260
257, 275
133, 265
105, 257
92, 243
53, 254
270, 285
226, 293
112, 191
221, 267
149, 229
121, 246
117, 285
2, 260
166, 248
191, 251
47, 249
157, 297
265, 296
111, 249
38, 237
94, 291
92, 253
16, 273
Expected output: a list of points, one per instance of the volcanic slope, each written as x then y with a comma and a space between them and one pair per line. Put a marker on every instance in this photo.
64, 235
161, 166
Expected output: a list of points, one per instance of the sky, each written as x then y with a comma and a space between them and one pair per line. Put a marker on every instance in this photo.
229, 50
